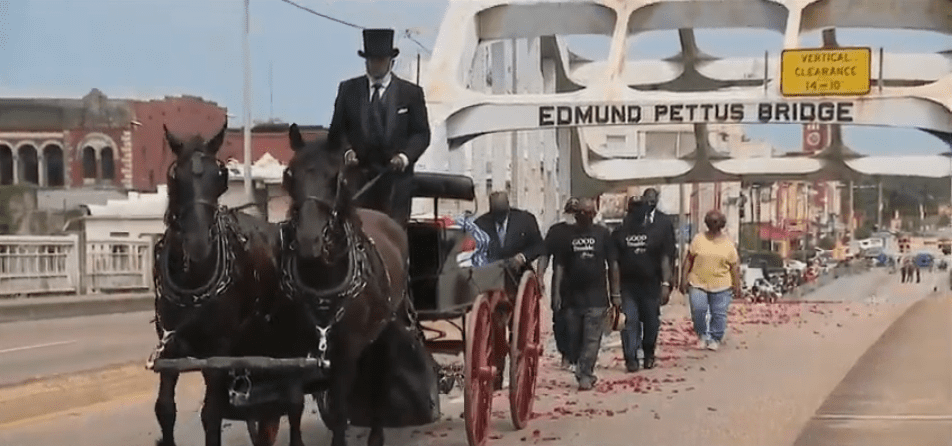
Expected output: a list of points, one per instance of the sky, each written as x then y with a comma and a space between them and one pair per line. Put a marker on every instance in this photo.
148, 49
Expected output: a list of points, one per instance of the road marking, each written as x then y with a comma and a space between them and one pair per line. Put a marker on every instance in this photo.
31, 347
848, 417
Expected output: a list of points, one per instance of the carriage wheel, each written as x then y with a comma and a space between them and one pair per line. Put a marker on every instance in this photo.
263, 433
525, 350
479, 372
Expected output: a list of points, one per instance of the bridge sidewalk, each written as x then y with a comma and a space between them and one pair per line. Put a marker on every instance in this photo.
37, 308
900, 391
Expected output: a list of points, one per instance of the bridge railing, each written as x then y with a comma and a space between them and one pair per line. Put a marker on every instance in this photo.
39, 264
113, 265
67, 264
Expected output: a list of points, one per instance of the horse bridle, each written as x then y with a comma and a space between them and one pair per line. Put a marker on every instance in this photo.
334, 222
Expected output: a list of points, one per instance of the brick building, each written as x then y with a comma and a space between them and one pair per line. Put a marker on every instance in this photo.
103, 143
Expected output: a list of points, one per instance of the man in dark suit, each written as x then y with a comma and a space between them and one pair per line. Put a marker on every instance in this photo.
382, 122
665, 224
513, 233
514, 238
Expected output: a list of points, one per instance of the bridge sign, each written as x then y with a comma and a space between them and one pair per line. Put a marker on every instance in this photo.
825, 72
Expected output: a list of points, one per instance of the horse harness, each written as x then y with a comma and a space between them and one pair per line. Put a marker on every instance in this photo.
361, 254
227, 239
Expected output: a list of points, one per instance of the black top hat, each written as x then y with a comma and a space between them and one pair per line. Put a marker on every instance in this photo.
378, 43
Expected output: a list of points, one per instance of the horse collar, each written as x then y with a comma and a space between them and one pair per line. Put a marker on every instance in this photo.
222, 277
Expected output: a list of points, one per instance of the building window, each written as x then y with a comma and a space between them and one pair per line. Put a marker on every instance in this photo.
108, 168
55, 171
29, 166
6, 166
89, 163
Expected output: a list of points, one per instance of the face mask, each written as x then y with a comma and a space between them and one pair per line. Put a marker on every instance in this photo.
584, 219
500, 215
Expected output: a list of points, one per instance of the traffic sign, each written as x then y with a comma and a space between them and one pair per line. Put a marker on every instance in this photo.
825, 71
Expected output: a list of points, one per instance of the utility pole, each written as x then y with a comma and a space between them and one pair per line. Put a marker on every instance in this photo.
249, 191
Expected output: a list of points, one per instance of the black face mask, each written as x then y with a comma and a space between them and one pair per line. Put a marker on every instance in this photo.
637, 212
499, 215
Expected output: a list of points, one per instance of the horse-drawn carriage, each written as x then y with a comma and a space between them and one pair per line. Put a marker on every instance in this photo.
489, 300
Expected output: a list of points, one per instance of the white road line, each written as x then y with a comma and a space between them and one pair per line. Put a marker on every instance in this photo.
31, 347
848, 417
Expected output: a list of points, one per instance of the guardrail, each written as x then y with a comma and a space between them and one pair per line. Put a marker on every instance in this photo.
65, 264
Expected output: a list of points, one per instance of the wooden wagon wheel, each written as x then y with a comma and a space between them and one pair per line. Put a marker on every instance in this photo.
263, 433
478, 371
525, 350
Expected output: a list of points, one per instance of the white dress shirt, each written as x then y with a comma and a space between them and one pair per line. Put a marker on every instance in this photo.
384, 83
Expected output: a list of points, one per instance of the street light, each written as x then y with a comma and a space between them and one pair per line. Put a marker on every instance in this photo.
249, 191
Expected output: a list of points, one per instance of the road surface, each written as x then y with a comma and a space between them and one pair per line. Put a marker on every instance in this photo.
767, 385
33, 349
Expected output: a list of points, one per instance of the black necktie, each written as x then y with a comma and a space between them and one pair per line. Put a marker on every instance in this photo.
376, 111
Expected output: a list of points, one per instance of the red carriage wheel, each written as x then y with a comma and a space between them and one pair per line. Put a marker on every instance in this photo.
525, 350
478, 371
263, 433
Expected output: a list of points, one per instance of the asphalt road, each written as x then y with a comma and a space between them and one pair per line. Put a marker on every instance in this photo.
33, 349
763, 387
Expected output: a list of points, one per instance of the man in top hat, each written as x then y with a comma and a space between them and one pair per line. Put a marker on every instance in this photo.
380, 122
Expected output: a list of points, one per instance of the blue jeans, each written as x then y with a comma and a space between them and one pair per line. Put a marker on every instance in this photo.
641, 304
704, 302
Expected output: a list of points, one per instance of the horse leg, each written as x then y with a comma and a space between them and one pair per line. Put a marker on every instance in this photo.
342, 383
165, 408
264, 432
296, 412
212, 409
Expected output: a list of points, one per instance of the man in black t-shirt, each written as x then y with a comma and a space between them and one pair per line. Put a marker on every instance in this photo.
644, 247
558, 236
585, 259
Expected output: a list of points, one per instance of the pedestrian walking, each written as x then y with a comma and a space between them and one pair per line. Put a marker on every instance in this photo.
558, 235
645, 245
589, 261
711, 279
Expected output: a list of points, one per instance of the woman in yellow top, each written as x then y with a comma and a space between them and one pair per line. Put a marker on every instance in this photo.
711, 272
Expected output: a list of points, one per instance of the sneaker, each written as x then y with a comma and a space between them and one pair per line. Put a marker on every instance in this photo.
572, 368
649, 363
713, 345
701, 344
566, 364
631, 366
587, 383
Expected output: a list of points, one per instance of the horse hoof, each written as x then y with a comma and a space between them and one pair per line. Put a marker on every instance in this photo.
164, 442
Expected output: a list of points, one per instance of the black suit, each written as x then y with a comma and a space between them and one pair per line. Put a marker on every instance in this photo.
405, 130
665, 224
522, 236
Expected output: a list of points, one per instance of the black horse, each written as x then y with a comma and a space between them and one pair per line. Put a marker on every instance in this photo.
215, 276
346, 267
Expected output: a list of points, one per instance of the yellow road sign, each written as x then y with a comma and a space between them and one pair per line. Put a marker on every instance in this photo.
825, 72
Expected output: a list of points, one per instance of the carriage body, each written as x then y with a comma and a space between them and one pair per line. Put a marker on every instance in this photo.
500, 311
